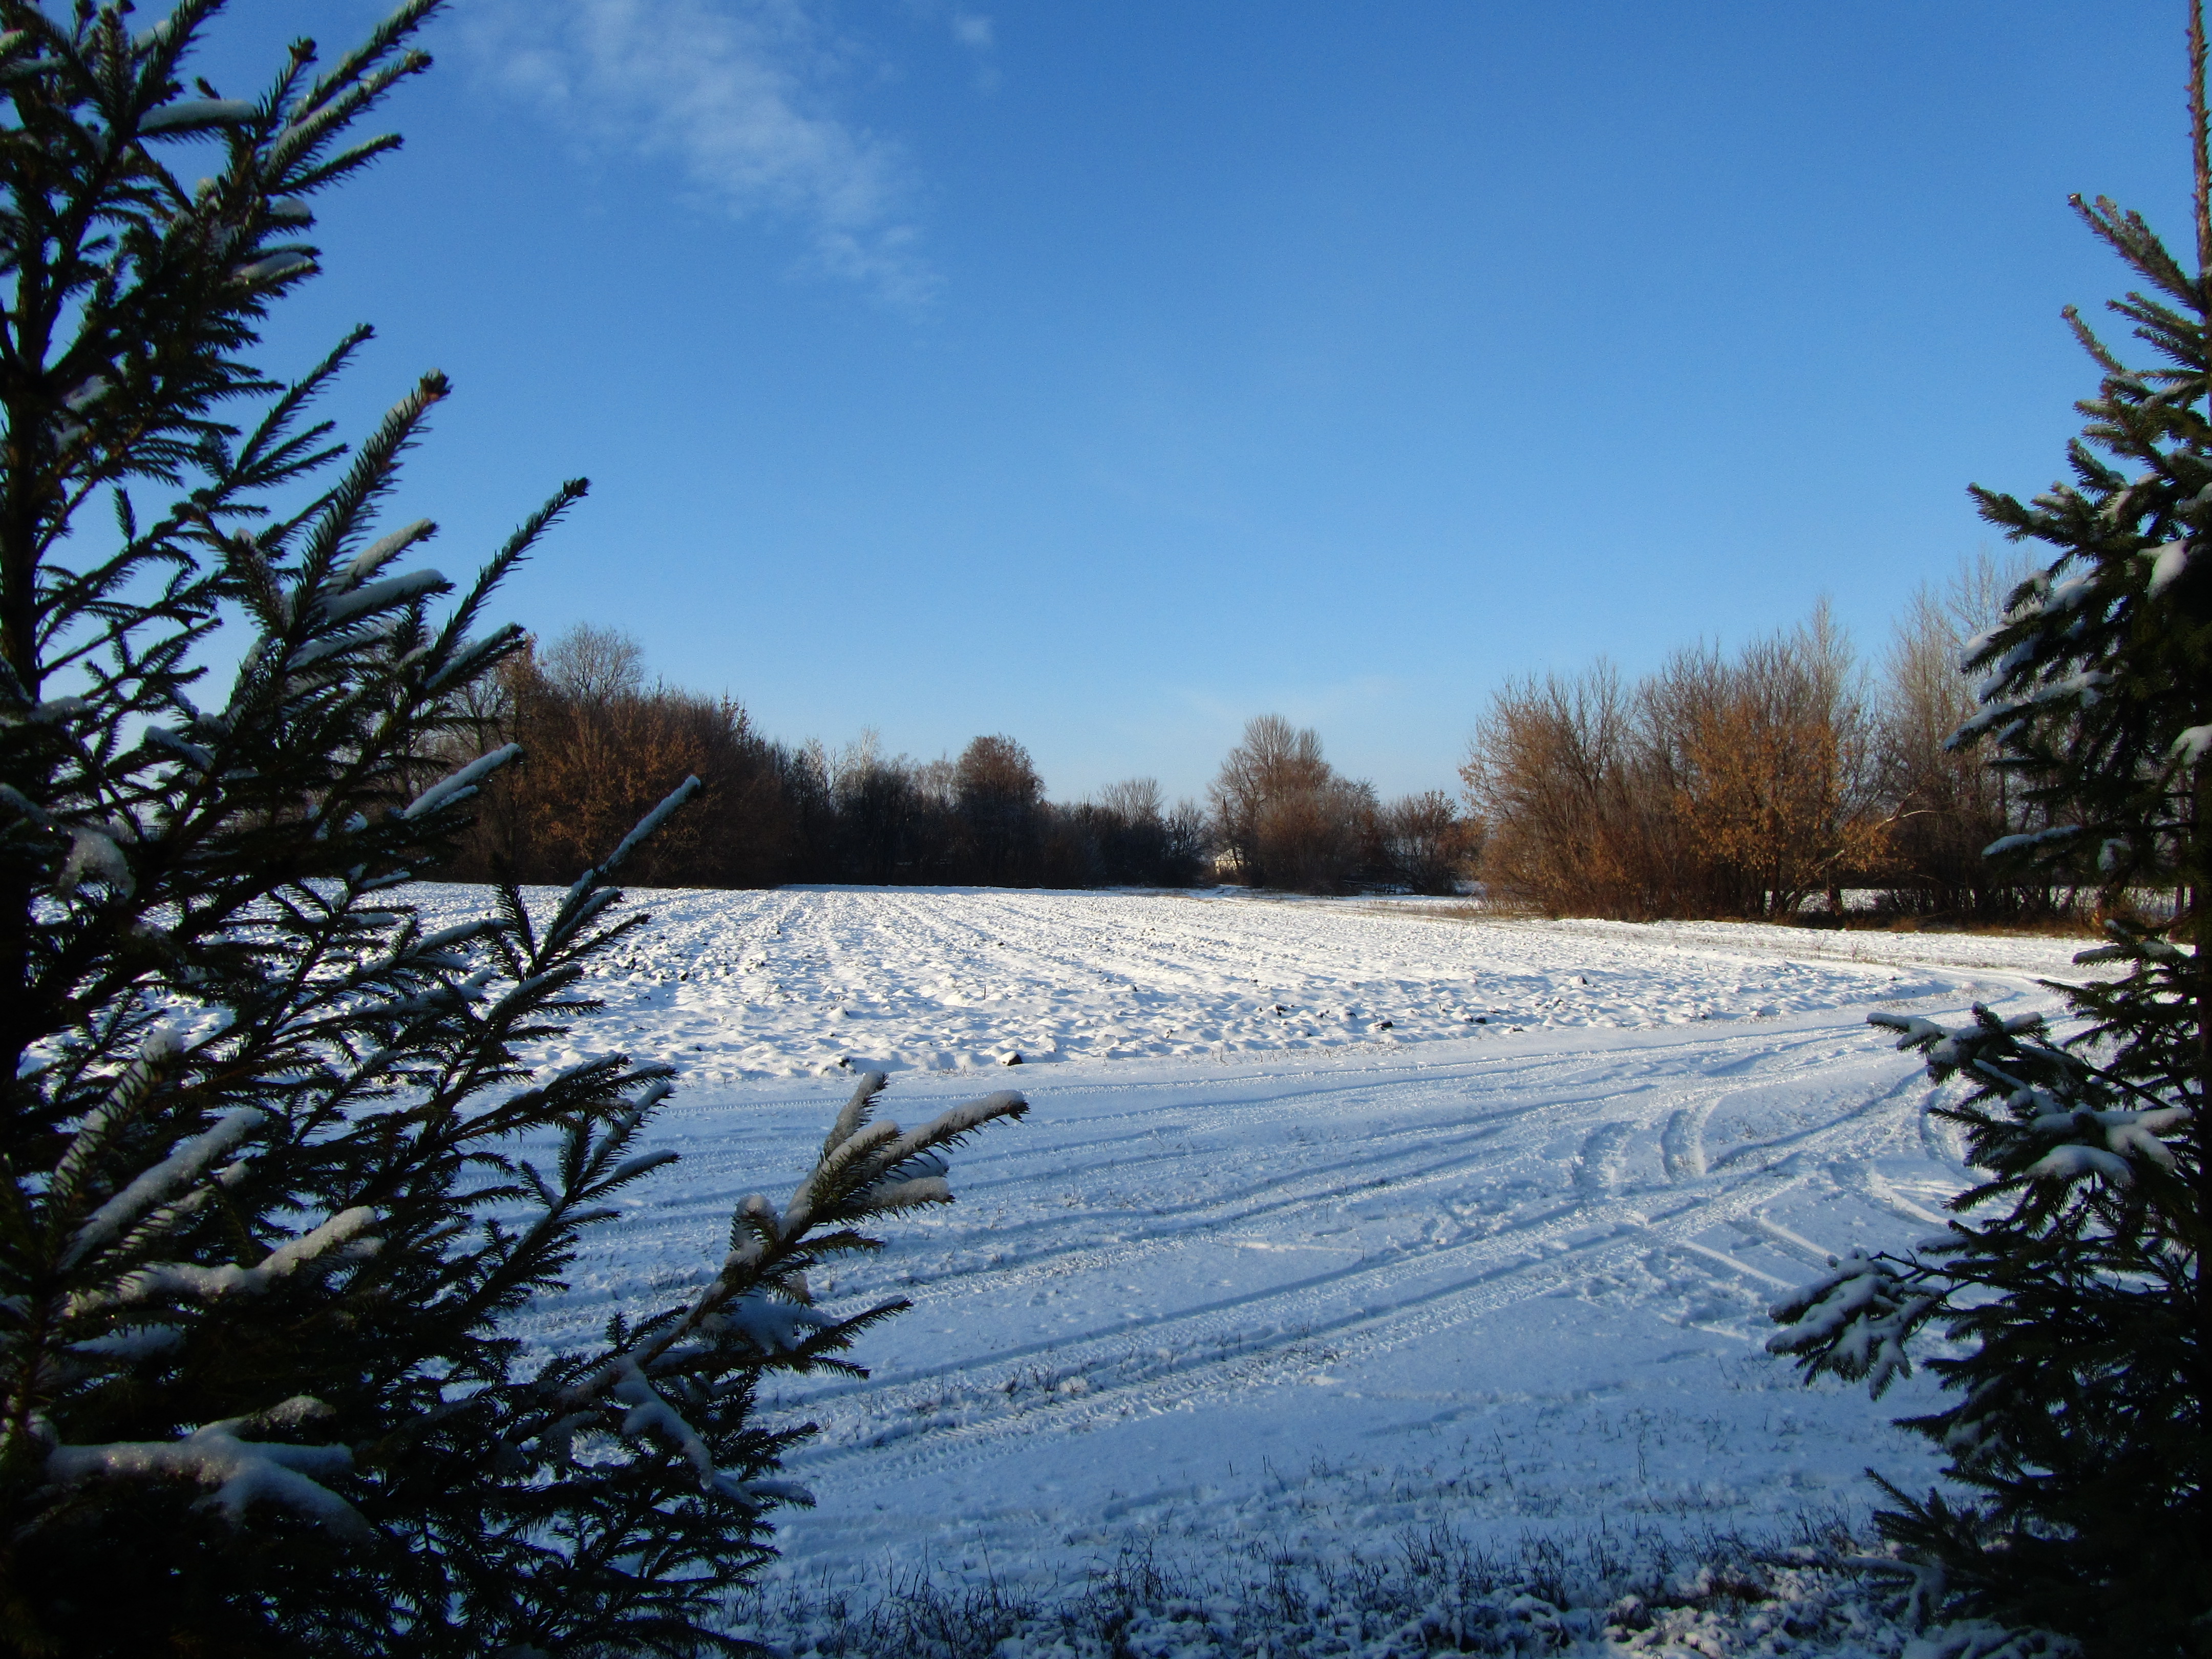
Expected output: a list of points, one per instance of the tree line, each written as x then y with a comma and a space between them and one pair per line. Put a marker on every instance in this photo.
601, 744
1748, 784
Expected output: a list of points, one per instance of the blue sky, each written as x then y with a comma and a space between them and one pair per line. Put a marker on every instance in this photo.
1106, 374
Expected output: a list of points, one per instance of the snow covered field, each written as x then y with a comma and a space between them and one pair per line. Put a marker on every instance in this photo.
1333, 1222
737, 986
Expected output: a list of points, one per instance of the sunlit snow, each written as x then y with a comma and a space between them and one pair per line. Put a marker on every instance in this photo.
1294, 1254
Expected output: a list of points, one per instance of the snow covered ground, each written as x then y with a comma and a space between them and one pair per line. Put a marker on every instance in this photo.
1335, 1222
737, 986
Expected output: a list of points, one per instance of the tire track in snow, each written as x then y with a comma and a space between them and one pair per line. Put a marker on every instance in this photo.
1487, 1281
1269, 1189
1346, 1313
1051, 1244
1174, 1235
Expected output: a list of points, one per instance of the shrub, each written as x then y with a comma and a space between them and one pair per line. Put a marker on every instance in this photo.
1715, 786
1425, 844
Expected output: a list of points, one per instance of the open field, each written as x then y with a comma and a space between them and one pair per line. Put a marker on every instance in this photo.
1292, 1257
739, 986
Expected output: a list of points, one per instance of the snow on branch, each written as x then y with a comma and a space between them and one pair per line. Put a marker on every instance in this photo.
649, 1414
94, 852
2124, 1131
242, 1472
24, 807
884, 1196
1952, 1048
651, 822
340, 608
458, 785
857, 1111
347, 1228
2004, 844
952, 1125
118, 1106
1854, 1322
195, 115
463, 660
132, 1344
381, 551
191, 754
774, 1326
2072, 1162
2091, 1140
2166, 565
183, 1165
876, 1167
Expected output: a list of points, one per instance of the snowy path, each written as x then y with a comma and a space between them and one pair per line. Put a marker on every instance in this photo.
1268, 1289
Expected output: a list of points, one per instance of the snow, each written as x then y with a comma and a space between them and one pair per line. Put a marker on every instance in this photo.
1290, 1255
92, 852
194, 114
242, 1472
191, 1156
2166, 565
347, 1229
381, 551
335, 608
739, 986
458, 785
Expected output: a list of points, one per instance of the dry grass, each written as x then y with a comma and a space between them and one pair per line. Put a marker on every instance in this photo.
1495, 910
1432, 1592
2059, 926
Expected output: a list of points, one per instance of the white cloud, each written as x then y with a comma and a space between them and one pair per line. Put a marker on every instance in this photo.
972, 30
738, 94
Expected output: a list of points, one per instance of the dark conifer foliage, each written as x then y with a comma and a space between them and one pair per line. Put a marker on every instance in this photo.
277, 1168
2073, 1278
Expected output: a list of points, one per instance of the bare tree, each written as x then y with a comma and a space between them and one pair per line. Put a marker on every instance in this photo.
1780, 779
1283, 815
1951, 802
1133, 800
1426, 842
593, 668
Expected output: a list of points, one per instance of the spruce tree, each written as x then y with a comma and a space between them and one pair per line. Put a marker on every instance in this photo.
277, 1165
2071, 1281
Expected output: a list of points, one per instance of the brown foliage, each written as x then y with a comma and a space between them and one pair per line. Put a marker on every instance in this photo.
1775, 767
1579, 812
997, 797
600, 749
1282, 816
1715, 787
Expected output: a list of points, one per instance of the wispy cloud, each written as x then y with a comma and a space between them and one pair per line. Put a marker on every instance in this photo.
739, 95
970, 30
